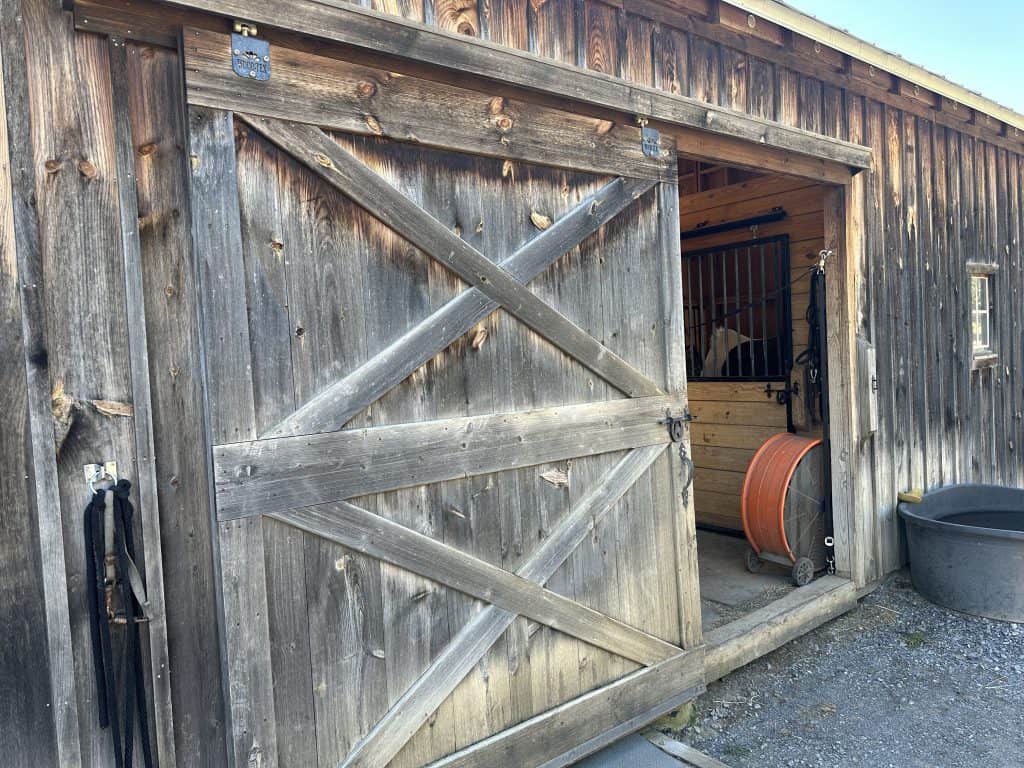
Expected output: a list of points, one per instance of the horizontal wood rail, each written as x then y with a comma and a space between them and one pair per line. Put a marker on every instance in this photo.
373, 535
356, 391
266, 476
345, 23
347, 96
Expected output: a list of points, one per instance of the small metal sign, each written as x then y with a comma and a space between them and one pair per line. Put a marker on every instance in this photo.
250, 57
650, 142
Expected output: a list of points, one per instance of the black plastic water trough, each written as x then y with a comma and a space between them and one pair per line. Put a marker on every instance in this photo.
966, 547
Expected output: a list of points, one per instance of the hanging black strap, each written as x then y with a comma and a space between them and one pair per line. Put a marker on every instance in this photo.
810, 358
118, 602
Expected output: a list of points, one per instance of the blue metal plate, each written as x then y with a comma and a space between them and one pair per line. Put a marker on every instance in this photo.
650, 142
250, 57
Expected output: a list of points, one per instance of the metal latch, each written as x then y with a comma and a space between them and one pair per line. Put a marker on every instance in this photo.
677, 424
250, 56
782, 395
650, 139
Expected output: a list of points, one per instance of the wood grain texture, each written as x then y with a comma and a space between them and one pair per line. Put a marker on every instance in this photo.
344, 23
413, 708
159, 683
230, 413
377, 537
345, 96
591, 721
182, 466
31, 722
332, 408
383, 201
264, 476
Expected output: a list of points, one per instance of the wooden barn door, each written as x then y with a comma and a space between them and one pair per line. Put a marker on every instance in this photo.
442, 334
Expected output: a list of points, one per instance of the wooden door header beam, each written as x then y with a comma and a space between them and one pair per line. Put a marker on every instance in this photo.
341, 22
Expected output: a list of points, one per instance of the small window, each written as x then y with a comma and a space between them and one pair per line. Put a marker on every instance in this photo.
983, 346
981, 316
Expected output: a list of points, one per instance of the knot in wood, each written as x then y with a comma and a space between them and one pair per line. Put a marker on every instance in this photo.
365, 89
504, 123
147, 149
603, 127
374, 125
323, 159
87, 169
466, 28
496, 106
52, 166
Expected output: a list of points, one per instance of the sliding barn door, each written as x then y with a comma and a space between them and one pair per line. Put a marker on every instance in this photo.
442, 335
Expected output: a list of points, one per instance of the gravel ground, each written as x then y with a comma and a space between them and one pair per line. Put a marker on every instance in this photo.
896, 683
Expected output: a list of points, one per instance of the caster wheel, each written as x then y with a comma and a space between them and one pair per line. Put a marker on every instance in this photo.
753, 562
803, 571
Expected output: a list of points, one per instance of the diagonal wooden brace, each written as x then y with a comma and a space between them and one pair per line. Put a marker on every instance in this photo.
319, 153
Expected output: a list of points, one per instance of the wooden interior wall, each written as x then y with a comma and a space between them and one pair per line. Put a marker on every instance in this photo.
945, 190
735, 418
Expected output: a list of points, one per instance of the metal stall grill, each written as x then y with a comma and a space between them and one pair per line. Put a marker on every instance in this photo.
738, 310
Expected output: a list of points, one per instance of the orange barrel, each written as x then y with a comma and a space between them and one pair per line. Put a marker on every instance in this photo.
765, 487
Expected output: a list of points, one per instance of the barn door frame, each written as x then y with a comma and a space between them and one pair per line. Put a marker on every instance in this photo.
240, 498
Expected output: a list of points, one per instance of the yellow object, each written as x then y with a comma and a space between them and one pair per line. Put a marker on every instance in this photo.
913, 496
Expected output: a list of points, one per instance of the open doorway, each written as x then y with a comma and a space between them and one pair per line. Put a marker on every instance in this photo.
751, 243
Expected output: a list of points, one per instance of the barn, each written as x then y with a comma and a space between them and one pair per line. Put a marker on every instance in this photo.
435, 340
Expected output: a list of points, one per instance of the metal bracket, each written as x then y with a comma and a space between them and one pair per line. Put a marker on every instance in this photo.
98, 473
650, 142
250, 56
677, 424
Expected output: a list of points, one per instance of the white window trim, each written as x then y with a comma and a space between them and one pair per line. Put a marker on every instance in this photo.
985, 357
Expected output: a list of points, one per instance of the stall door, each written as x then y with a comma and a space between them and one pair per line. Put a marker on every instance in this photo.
440, 340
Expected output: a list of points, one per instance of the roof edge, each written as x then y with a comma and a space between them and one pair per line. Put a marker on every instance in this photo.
844, 42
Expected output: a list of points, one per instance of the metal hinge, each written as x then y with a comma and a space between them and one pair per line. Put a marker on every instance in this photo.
250, 56
650, 139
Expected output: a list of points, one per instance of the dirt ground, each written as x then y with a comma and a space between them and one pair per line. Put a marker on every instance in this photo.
896, 683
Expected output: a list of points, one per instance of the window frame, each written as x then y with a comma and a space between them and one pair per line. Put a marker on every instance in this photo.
986, 356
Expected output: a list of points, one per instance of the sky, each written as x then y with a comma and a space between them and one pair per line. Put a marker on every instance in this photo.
976, 43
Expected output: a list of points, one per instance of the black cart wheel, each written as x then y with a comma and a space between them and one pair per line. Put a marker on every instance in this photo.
753, 562
803, 571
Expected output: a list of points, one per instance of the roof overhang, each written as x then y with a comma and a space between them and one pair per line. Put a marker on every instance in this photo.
808, 26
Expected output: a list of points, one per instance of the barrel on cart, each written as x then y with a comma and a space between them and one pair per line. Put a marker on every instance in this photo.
783, 506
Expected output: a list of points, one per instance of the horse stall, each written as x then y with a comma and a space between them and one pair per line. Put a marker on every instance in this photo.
389, 386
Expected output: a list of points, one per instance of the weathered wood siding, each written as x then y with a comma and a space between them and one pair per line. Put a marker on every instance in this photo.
945, 190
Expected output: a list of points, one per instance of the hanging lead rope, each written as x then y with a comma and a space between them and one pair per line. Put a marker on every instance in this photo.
810, 358
117, 596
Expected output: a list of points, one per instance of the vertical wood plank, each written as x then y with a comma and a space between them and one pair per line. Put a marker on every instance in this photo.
75, 202
230, 415
705, 70
218, 245
671, 60
602, 51
684, 533
551, 26
735, 79
145, 452
762, 88
182, 469
505, 23
40, 719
